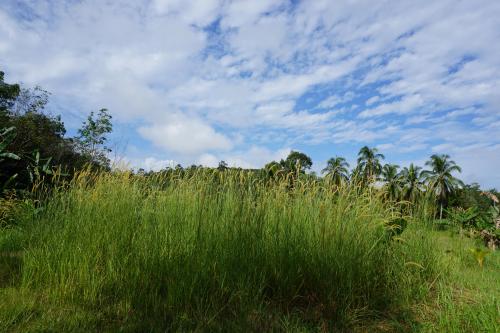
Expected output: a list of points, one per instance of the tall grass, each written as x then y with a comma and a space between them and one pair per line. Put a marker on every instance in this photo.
222, 251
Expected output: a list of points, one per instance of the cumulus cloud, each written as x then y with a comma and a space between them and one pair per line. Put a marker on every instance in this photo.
408, 76
256, 157
184, 135
154, 164
149, 163
208, 160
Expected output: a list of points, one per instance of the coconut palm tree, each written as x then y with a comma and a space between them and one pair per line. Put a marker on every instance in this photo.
337, 169
369, 163
412, 181
440, 178
392, 181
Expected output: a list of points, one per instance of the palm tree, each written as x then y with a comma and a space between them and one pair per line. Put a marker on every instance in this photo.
337, 169
392, 181
369, 163
440, 178
412, 180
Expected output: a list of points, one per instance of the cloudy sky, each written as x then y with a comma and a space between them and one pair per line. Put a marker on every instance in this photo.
247, 81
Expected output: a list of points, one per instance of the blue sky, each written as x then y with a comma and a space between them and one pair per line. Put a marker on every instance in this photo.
247, 81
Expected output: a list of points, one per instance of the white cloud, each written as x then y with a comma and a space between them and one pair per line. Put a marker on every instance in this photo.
148, 163
372, 100
200, 13
185, 135
385, 146
479, 164
242, 12
405, 105
208, 160
431, 70
256, 157
151, 163
253, 157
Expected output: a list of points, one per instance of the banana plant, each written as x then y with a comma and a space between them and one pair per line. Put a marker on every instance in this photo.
6, 137
39, 167
464, 217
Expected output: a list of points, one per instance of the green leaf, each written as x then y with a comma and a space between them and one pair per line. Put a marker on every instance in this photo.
10, 155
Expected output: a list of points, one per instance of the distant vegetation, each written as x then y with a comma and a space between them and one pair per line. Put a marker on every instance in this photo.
368, 247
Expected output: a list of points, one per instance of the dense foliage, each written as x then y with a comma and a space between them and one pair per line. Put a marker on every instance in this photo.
35, 140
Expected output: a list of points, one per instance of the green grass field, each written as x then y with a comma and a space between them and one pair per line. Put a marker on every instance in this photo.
226, 252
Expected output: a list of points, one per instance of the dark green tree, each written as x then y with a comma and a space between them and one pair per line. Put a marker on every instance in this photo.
336, 170
222, 166
440, 178
8, 94
392, 181
412, 182
369, 163
37, 134
472, 195
296, 161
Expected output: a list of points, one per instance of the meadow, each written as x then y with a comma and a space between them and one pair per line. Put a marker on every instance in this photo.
232, 252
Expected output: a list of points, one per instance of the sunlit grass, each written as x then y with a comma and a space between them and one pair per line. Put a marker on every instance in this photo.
213, 251
468, 298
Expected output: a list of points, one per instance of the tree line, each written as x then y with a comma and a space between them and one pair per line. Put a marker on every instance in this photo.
405, 184
33, 144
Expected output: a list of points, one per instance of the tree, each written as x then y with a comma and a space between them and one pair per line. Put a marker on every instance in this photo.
92, 137
412, 181
8, 95
296, 161
392, 180
273, 168
222, 166
30, 100
369, 165
337, 170
36, 132
472, 195
440, 178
